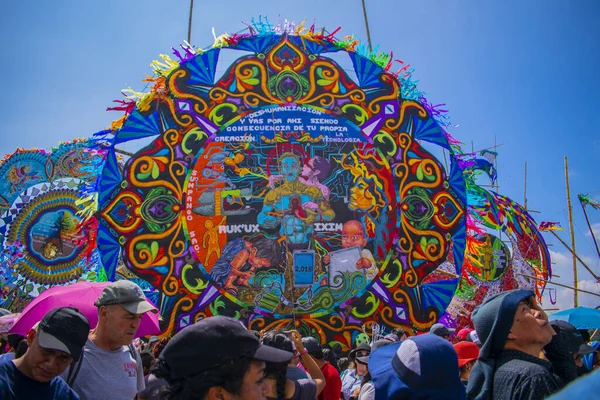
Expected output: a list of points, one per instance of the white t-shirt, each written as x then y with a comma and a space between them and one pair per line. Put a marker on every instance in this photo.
367, 391
105, 374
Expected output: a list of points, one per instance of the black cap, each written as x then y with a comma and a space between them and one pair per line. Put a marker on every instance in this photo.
212, 342
313, 347
361, 347
574, 339
64, 329
440, 330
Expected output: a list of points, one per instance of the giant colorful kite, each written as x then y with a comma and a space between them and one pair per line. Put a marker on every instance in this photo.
287, 184
505, 249
40, 202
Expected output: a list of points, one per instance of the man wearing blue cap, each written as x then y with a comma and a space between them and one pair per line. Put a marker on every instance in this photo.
513, 330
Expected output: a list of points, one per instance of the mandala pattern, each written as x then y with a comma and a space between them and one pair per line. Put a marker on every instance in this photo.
288, 191
40, 196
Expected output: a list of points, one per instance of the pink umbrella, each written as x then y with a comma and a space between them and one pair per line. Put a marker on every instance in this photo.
80, 295
7, 322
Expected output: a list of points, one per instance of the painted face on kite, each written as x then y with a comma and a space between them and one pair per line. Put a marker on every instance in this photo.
290, 167
353, 234
360, 196
307, 169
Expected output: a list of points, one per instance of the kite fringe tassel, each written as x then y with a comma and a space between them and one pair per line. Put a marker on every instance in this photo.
189, 52
164, 67
89, 206
262, 27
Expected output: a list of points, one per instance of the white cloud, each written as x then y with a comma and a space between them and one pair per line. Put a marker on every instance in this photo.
559, 259
595, 229
562, 266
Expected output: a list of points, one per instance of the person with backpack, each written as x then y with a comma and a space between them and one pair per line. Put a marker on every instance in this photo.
110, 367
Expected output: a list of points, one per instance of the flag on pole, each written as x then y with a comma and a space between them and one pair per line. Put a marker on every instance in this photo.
585, 200
549, 226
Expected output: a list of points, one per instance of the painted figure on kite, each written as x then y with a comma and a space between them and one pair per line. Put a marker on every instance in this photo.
241, 259
353, 235
18, 176
294, 205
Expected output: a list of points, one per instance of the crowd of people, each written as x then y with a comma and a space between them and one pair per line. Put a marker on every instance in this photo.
512, 352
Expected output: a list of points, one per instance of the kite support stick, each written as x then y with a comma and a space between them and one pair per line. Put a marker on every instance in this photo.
525, 189
496, 166
487, 148
126, 153
560, 284
189, 36
590, 228
570, 209
596, 277
367, 26
445, 160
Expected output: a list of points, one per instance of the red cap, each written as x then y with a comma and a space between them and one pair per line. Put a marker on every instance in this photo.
467, 351
462, 334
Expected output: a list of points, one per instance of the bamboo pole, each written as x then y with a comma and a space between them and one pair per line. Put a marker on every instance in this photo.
525, 189
596, 277
367, 26
445, 160
496, 166
450, 274
560, 284
570, 209
487, 148
590, 228
126, 153
189, 35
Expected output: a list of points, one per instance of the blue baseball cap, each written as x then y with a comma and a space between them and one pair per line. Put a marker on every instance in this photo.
420, 367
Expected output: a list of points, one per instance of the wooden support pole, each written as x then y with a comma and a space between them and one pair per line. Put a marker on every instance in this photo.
125, 153
450, 274
525, 189
570, 209
590, 228
189, 35
367, 26
560, 284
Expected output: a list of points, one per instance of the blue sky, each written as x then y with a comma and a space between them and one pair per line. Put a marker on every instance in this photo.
525, 72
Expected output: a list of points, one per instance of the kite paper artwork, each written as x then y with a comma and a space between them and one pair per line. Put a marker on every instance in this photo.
41, 241
260, 171
505, 250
